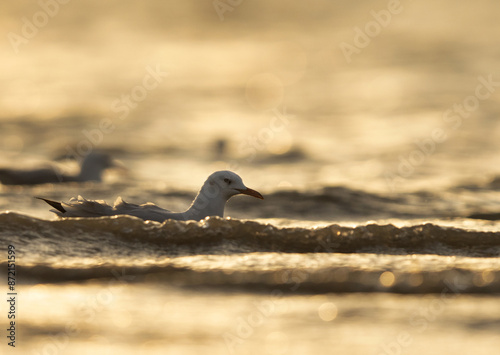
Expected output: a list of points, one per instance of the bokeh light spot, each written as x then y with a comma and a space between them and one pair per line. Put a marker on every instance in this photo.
387, 279
327, 311
415, 279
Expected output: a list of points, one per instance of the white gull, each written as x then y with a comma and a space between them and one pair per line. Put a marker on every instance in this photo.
210, 201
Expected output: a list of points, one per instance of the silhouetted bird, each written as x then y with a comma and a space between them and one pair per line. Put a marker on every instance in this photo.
91, 169
210, 201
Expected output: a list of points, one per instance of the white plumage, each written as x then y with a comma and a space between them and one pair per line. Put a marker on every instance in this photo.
210, 201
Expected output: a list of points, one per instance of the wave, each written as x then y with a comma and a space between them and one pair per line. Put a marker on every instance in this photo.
228, 253
247, 236
289, 279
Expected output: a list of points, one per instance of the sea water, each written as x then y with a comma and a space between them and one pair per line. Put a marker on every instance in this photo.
371, 162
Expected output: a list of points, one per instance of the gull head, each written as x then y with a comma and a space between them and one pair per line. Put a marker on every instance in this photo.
94, 164
227, 184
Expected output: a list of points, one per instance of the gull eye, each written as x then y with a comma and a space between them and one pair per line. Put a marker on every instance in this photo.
227, 181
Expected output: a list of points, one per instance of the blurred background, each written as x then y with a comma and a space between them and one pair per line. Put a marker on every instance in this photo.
315, 94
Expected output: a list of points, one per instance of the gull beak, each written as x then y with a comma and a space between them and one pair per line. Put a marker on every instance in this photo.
250, 192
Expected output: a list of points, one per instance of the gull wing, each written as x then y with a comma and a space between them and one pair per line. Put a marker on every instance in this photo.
80, 207
148, 211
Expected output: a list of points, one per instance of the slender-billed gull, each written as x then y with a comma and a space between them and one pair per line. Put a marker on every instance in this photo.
210, 201
91, 169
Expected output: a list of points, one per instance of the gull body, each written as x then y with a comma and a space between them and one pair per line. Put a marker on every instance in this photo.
210, 201
91, 169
